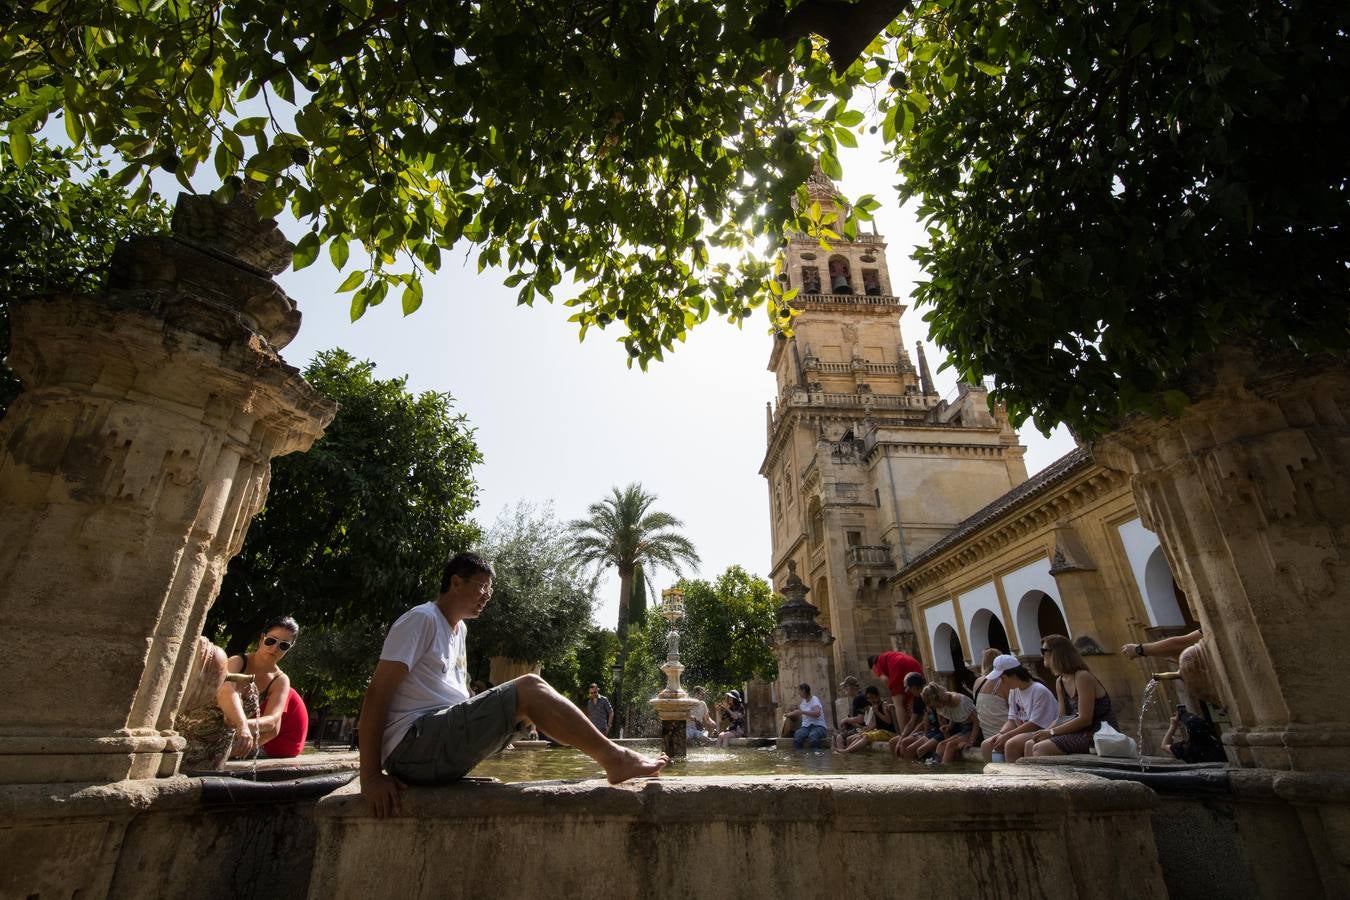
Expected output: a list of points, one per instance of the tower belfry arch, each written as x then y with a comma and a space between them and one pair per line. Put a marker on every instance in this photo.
871, 465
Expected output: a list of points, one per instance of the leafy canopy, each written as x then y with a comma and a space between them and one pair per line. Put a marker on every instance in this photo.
728, 623
589, 661
613, 141
541, 603
1114, 189
59, 222
1110, 190
359, 528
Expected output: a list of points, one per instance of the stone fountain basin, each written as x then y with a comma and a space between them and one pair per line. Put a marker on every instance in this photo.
1036, 833
1014, 831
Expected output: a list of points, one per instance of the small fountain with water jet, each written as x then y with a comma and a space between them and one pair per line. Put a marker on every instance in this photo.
673, 704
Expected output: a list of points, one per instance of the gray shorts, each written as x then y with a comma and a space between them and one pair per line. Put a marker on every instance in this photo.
444, 745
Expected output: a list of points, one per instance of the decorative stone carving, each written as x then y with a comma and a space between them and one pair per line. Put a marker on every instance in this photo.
1249, 491
129, 471
1069, 555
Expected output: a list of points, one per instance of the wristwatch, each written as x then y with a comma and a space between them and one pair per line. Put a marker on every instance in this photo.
1138, 649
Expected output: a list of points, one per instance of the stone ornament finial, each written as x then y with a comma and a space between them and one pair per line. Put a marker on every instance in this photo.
234, 229
213, 273
796, 616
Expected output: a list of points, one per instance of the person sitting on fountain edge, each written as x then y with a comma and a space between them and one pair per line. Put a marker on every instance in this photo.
811, 713
851, 725
419, 725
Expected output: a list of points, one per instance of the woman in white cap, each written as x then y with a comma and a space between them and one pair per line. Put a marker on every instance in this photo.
1031, 707
991, 691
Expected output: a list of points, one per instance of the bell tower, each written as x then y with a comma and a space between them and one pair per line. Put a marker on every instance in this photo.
867, 466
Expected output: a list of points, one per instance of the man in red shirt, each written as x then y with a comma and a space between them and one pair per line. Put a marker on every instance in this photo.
894, 666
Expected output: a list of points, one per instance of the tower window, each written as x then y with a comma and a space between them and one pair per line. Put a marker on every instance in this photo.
841, 279
810, 280
871, 282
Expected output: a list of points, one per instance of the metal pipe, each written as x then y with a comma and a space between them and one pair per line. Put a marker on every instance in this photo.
220, 790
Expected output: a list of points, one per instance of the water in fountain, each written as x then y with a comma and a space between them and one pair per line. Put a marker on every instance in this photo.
1150, 695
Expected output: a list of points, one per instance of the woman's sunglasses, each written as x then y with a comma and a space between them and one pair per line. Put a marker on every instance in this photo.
270, 641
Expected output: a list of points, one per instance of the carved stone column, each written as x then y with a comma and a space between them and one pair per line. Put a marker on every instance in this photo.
801, 646
129, 471
1249, 491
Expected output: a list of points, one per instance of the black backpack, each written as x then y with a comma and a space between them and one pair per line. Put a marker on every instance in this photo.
1201, 745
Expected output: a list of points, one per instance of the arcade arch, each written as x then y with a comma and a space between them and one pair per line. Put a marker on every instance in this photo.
946, 649
1038, 614
985, 631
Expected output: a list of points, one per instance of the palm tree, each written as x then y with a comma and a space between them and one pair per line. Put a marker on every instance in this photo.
621, 531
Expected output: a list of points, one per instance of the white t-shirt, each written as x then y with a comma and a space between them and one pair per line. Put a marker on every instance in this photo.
697, 713
1034, 704
960, 712
813, 712
438, 669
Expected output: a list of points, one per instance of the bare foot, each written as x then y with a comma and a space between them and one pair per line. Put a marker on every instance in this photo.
631, 765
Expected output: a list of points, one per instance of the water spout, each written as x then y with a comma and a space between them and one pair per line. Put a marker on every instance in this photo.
1150, 694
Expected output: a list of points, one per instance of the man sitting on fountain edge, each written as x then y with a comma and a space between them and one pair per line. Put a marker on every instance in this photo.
419, 723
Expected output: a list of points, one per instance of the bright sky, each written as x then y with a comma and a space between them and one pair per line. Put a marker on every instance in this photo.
563, 421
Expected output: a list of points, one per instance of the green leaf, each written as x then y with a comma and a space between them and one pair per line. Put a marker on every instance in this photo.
988, 68
74, 127
338, 251
850, 118
269, 203
412, 297
351, 282
358, 308
830, 166
306, 251
20, 147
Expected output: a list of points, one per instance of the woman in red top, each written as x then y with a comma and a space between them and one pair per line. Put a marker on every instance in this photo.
290, 739
257, 726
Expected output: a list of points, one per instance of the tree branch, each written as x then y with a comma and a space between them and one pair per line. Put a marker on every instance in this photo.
847, 27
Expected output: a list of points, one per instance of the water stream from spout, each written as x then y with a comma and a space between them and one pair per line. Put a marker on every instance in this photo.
1150, 695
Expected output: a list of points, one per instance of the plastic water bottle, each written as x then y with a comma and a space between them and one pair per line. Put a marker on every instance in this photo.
996, 757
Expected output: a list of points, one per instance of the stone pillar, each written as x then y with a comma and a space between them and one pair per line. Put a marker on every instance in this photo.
801, 646
1249, 491
129, 470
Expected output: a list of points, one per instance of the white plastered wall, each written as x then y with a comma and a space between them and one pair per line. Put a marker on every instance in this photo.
934, 617
1152, 576
971, 603
1023, 587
